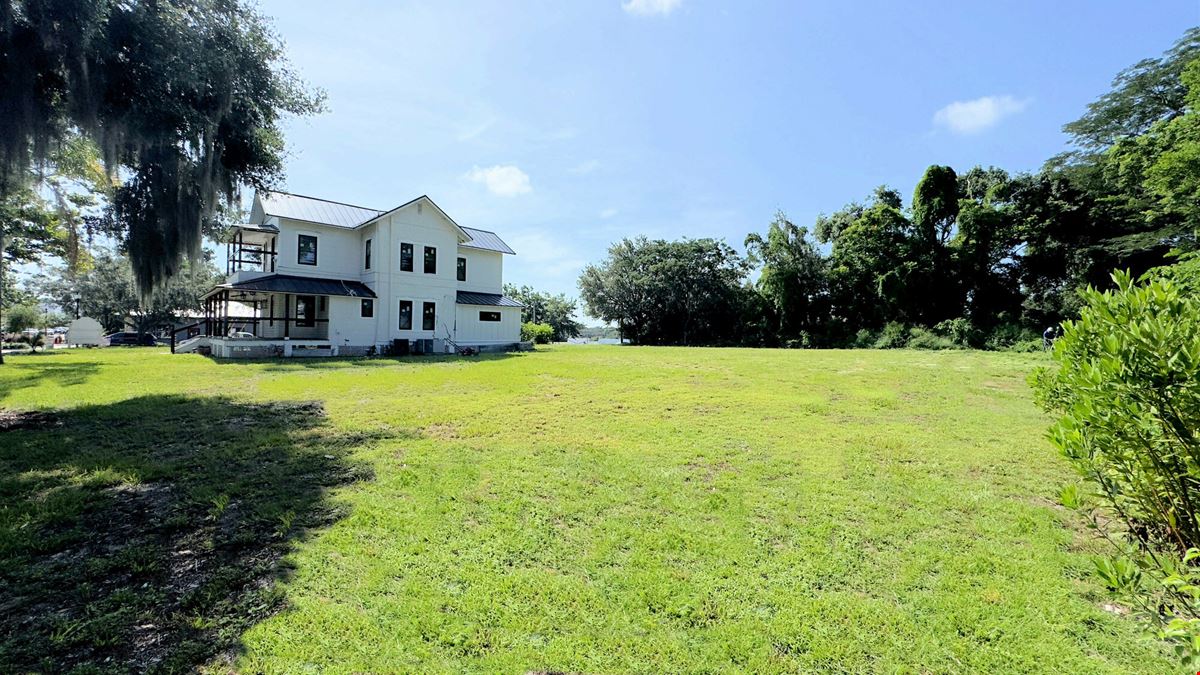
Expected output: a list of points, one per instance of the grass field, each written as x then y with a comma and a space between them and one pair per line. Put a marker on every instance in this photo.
579, 509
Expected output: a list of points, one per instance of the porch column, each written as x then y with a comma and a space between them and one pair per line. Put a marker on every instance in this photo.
287, 313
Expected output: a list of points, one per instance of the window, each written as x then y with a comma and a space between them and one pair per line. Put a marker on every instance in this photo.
406, 315
428, 315
367, 255
321, 302
271, 310
306, 306
462, 269
430, 260
406, 257
306, 249
489, 316
368, 309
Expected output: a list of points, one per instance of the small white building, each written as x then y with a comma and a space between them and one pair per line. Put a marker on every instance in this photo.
313, 277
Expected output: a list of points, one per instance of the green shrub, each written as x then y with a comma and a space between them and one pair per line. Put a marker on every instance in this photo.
1011, 337
923, 338
1024, 346
537, 333
863, 339
893, 336
1127, 387
961, 332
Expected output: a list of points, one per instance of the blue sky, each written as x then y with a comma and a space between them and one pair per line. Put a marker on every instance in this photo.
566, 125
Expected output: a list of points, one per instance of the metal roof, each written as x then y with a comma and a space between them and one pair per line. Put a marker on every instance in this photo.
487, 241
287, 283
489, 299
314, 210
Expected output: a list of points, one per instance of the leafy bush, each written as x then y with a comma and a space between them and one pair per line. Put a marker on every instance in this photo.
1127, 386
923, 338
538, 333
960, 331
15, 345
893, 336
863, 339
1011, 337
1024, 346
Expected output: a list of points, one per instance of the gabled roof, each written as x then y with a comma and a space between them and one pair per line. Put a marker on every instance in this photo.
325, 212
313, 210
487, 299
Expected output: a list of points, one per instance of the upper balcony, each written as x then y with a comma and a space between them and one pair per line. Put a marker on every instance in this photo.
251, 251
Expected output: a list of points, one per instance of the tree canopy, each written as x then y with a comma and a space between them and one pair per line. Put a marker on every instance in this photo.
182, 97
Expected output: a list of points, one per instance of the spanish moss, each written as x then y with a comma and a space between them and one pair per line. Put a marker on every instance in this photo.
183, 97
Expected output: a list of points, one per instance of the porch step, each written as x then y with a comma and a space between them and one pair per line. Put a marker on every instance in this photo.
191, 344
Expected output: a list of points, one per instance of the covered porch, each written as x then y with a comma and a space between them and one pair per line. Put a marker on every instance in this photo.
270, 314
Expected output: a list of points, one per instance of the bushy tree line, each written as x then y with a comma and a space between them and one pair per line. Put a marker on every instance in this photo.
978, 258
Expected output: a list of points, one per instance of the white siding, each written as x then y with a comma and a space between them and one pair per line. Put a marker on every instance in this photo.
485, 270
346, 323
338, 250
472, 331
420, 227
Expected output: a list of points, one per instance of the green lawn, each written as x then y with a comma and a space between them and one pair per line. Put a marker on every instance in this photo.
581, 509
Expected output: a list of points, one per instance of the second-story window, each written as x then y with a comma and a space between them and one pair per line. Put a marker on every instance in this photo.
367, 255
406, 257
430, 260
306, 249
462, 269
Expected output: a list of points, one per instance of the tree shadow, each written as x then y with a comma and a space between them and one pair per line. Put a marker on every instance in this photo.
148, 535
30, 370
343, 362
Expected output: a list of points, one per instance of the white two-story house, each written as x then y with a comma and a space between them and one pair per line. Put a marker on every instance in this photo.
313, 277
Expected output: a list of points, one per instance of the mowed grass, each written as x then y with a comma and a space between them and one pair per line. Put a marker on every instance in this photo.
617, 509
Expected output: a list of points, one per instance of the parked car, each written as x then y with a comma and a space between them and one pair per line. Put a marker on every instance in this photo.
130, 339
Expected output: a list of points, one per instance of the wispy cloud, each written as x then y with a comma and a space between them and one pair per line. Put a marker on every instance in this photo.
651, 7
505, 180
584, 167
471, 132
974, 116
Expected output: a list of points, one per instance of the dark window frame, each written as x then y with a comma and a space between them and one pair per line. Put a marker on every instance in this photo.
367, 255
310, 315
429, 262
411, 256
462, 268
300, 249
490, 316
401, 315
366, 310
428, 317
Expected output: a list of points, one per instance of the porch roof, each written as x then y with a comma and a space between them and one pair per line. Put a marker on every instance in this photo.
488, 299
288, 283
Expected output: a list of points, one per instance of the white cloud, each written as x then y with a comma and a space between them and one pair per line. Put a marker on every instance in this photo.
584, 167
608, 213
649, 7
505, 180
970, 117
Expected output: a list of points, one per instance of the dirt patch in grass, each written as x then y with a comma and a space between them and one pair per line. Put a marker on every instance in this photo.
11, 420
148, 535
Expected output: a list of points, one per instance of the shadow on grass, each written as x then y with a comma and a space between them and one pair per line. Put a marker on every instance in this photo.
147, 535
30, 370
341, 362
